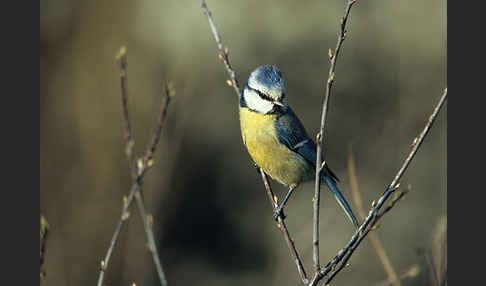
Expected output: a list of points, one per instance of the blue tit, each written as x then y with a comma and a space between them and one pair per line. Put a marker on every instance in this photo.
276, 139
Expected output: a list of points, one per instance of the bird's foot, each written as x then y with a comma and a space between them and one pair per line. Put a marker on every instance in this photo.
257, 168
278, 212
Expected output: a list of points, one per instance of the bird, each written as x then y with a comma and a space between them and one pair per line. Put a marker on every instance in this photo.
276, 140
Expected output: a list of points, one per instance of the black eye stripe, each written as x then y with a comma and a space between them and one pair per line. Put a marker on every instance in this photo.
262, 95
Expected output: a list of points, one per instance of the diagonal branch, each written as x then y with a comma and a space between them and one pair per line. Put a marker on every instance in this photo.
124, 216
147, 225
320, 135
372, 226
283, 228
224, 55
373, 216
147, 161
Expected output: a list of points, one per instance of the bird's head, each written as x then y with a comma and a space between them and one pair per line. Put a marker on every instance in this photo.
265, 91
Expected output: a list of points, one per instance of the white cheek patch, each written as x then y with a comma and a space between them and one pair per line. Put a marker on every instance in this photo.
255, 102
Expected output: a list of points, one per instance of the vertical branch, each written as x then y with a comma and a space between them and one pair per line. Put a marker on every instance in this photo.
320, 135
130, 143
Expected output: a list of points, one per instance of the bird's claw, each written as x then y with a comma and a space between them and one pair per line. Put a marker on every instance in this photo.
278, 212
257, 168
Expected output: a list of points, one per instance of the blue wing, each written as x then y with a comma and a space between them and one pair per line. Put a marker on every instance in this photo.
292, 134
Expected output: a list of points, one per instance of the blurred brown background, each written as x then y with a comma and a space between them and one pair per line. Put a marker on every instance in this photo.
211, 215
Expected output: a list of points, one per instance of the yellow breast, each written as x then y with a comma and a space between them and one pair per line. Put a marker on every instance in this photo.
279, 162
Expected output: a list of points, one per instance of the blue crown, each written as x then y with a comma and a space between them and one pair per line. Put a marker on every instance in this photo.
268, 76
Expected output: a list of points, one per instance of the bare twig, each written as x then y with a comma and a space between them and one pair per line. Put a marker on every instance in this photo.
283, 228
147, 162
124, 216
138, 168
144, 164
341, 259
122, 59
224, 55
375, 240
373, 216
169, 93
147, 225
320, 135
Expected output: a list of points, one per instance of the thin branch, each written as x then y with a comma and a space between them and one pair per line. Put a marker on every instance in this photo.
345, 253
375, 240
372, 226
283, 228
147, 162
147, 159
320, 135
124, 216
147, 225
224, 55
130, 143
138, 168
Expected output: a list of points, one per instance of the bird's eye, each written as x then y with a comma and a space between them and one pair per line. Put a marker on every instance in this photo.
262, 95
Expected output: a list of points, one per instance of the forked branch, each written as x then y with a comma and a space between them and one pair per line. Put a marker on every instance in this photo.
340, 260
138, 168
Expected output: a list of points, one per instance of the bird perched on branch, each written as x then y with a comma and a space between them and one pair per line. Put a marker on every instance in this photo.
276, 139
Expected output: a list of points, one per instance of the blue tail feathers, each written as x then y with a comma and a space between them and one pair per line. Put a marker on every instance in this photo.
341, 200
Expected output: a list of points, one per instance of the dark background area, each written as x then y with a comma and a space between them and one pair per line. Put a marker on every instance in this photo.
211, 214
